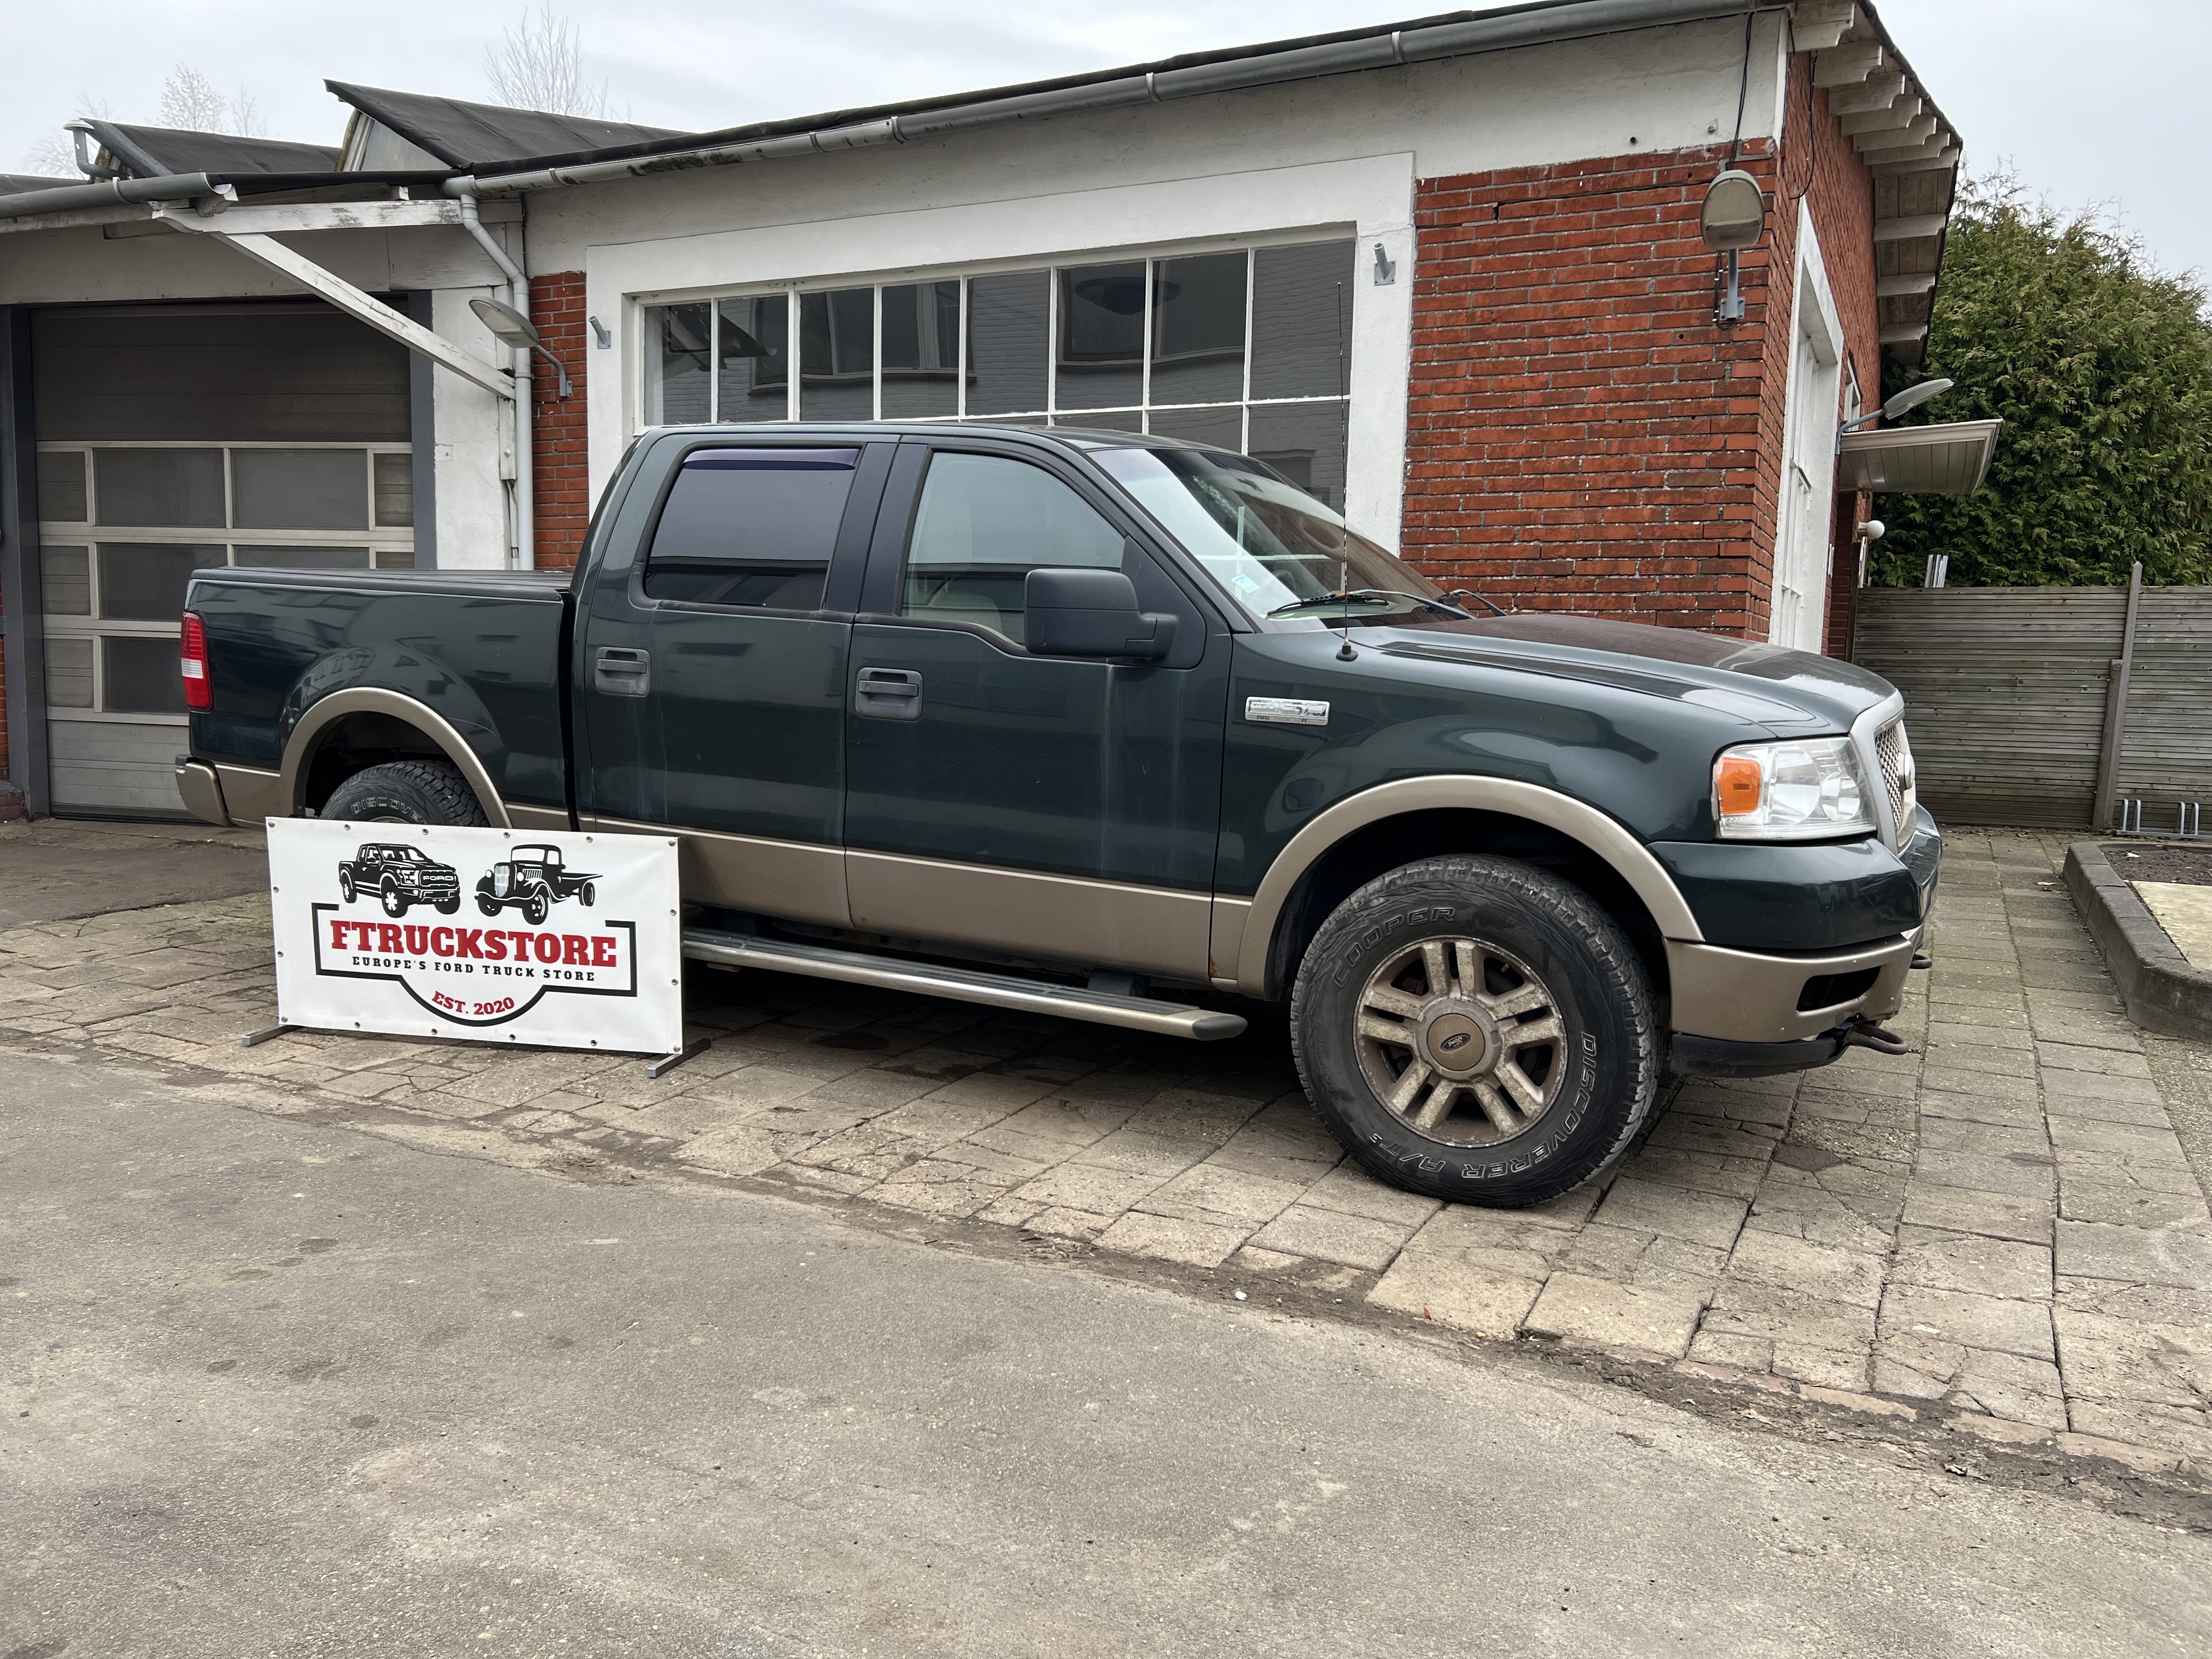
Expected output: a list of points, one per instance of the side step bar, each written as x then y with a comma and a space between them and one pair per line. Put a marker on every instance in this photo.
961, 984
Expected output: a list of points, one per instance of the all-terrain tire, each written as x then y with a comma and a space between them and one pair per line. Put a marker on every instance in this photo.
406, 791
1528, 960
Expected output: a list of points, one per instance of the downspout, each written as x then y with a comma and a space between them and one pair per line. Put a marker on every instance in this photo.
522, 509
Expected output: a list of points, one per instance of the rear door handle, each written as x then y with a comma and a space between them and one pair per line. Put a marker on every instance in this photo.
622, 672
888, 694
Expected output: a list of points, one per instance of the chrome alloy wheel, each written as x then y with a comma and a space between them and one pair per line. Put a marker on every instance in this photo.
1461, 1041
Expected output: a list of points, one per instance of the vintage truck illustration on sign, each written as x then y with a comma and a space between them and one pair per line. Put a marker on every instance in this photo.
532, 881
399, 876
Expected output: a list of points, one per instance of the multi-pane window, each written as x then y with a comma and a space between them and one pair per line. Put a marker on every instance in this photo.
123, 526
1248, 350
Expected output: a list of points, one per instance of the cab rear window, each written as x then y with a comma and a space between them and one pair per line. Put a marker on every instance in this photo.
752, 528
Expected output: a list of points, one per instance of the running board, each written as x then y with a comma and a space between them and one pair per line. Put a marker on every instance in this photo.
1035, 996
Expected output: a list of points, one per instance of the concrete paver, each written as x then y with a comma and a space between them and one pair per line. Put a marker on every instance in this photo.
2003, 1223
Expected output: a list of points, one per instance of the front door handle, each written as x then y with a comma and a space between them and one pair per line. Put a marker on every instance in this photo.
622, 672
888, 694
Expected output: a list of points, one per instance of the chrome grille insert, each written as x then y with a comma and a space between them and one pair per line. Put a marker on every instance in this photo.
1894, 755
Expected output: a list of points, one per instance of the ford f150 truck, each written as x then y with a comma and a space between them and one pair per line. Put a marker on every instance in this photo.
1124, 729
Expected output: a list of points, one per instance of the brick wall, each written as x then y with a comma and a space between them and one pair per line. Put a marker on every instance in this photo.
1582, 433
561, 483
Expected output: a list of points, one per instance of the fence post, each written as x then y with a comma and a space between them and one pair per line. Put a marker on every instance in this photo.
2116, 709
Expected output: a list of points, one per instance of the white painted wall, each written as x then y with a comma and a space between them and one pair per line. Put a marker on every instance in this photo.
1325, 156
474, 443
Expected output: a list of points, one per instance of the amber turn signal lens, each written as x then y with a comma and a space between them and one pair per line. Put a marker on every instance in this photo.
1736, 784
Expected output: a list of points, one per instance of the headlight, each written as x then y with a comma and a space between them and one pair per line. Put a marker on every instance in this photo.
1802, 789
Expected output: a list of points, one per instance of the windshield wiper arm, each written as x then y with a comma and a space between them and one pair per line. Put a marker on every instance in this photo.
1352, 593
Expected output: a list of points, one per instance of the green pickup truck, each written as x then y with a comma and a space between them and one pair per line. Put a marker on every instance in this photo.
1129, 731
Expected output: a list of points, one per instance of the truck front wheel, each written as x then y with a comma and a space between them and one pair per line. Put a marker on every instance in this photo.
1476, 1030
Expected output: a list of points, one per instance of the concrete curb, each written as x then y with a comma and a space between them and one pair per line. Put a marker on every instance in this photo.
2163, 993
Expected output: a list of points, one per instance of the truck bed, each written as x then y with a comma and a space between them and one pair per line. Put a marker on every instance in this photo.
487, 650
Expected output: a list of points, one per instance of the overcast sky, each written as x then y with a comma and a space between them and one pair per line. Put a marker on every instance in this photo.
2091, 100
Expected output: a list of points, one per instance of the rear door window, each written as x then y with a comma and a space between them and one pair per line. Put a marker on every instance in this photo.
750, 527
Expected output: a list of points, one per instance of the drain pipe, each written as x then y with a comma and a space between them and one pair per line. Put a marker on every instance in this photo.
521, 526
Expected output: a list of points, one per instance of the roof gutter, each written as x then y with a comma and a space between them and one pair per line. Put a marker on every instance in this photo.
67, 198
1116, 88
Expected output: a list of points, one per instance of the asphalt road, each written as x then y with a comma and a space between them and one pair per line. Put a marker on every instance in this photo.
276, 1388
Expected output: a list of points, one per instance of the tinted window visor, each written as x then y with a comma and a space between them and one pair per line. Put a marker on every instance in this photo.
1269, 542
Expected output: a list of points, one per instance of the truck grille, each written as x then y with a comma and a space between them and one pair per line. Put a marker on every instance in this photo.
1894, 755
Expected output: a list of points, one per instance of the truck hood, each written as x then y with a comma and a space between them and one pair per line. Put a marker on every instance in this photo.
1789, 690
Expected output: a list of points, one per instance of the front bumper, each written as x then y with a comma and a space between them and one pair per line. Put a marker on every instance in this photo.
1728, 995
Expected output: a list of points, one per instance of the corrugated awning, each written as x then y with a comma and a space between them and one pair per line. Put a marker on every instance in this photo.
1949, 460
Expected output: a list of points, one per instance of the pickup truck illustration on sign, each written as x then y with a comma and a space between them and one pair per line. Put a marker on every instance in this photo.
399, 876
609, 981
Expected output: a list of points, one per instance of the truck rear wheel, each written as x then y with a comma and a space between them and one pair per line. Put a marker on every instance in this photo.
1476, 1030
406, 791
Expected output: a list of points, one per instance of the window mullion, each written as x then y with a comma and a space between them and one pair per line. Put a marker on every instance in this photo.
1145, 354
1244, 406
1052, 341
713, 360
876, 332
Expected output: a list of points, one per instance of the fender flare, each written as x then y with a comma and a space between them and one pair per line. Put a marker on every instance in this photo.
326, 712
1603, 835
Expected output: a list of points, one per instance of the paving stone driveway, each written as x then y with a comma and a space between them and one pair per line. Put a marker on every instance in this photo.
2002, 1224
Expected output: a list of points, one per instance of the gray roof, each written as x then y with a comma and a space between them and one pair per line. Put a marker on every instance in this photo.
154, 152
463, 135
14, 183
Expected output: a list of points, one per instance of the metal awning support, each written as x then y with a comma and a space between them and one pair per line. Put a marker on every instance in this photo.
1948, 460
259, 246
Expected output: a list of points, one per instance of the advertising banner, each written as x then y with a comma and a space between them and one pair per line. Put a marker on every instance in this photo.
560, 939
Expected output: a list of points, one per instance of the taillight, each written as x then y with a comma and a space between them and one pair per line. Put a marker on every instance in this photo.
199, 690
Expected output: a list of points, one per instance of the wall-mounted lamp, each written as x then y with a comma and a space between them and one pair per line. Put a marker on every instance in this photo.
517, 333
1386, 268
1897, 408
1733, 218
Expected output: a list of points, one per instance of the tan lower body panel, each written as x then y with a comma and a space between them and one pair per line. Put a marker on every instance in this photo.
795, 880
537, 817
250, 794
1150, 930
1230, 915
1741, 996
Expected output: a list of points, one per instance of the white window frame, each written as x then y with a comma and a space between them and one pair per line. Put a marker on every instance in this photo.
637, 402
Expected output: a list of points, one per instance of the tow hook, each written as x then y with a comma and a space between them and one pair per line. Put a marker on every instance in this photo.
1864, 1033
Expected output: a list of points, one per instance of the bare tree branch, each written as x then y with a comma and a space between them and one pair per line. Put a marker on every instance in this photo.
190, 103
55, 157
539, 64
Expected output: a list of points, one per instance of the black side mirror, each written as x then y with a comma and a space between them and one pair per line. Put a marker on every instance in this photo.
1091, 613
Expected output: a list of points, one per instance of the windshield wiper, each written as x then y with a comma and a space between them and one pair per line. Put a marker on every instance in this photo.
1350, 594
1469, 593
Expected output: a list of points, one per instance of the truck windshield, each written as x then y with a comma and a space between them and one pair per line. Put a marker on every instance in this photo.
1277, 549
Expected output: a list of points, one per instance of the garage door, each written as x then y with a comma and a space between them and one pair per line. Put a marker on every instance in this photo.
175, 438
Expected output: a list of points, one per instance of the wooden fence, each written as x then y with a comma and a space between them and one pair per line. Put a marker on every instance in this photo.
2006, 692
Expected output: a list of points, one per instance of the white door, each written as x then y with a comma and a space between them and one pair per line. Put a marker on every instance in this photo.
1808, 488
